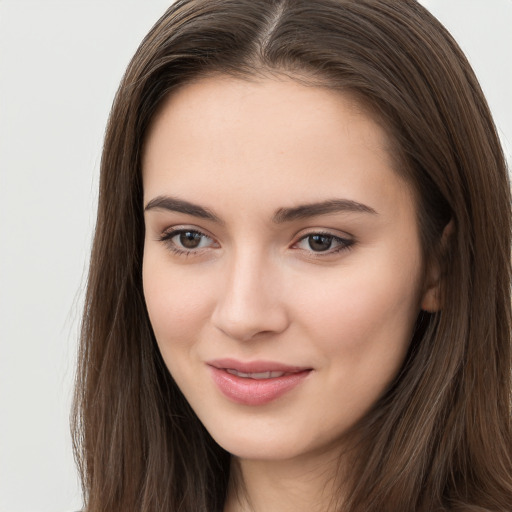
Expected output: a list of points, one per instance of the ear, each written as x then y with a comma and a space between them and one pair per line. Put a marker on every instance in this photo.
431, 300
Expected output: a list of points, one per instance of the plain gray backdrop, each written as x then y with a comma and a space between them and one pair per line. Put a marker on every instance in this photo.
60, 64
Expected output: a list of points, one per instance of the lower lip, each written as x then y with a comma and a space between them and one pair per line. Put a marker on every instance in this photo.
248, 391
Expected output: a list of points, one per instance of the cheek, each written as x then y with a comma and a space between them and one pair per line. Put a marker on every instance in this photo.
362, 315
361, 327
178, 304
178, 310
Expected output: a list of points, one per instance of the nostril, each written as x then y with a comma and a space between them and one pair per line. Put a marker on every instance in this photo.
249, 323
248, 304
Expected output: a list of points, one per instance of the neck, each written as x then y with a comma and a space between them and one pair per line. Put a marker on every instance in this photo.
284, 486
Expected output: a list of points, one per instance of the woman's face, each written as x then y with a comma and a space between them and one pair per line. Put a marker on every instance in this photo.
282, 265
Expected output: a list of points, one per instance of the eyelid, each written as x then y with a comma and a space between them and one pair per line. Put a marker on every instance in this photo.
179, 228
335, 233
169, 233
345, 241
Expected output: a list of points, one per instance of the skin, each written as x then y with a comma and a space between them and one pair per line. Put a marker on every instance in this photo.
257, 289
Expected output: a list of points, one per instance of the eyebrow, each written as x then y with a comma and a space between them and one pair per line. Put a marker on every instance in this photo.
321, 208
174, 204
282, 215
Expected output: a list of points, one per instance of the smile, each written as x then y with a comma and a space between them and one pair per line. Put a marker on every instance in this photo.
256, 383
260, 375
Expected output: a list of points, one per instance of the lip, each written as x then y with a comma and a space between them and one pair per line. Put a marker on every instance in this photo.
254, 392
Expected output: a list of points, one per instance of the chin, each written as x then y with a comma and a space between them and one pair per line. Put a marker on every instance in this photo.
265, 441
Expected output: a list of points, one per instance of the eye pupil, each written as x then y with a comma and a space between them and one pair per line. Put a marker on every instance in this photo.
320, 242
190, 239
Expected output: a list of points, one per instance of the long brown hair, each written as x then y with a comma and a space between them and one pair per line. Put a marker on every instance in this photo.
440, 438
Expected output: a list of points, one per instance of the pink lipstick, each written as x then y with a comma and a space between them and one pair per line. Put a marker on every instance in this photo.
256, 382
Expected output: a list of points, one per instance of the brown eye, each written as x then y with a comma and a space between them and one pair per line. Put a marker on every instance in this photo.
320, 243
323, 243
190, 239
187, 241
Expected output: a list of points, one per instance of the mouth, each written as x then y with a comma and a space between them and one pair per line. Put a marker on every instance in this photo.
255, 383
257, 376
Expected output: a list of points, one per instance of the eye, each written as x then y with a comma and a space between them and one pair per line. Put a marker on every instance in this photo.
323, 243
186, 240
190, 239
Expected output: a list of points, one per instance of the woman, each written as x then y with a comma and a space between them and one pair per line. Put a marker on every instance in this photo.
299, 287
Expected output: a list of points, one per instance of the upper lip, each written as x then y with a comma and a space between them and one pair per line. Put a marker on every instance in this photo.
255, 366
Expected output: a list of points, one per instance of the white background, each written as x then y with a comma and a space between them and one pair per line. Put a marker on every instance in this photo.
60, 64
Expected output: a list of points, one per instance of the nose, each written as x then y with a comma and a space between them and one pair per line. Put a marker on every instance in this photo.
250, 299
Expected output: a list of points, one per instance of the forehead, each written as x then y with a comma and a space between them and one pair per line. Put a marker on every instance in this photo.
274, 103
222, 135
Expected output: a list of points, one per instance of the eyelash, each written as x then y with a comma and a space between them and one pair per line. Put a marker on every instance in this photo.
167, 237
344, 244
